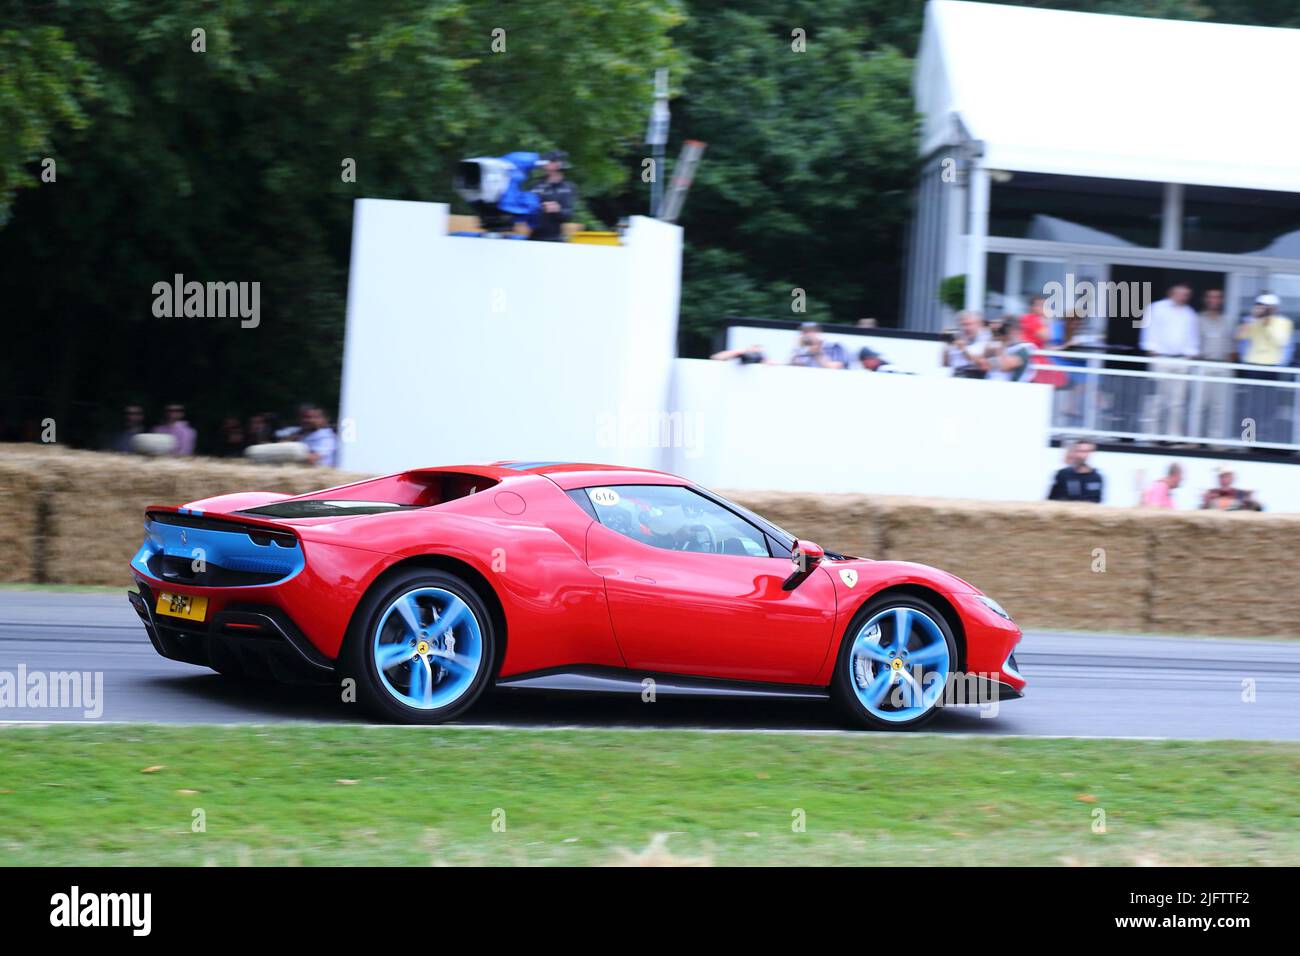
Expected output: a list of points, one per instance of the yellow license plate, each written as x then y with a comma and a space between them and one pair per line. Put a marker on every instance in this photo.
188, 606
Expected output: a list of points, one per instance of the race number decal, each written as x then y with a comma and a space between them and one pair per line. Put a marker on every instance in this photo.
604, 496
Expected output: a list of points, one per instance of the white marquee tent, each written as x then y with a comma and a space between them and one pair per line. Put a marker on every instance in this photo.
1170, 107
1089, 94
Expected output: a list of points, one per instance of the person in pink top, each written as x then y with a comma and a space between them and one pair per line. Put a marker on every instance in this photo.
176, 426
1159, 492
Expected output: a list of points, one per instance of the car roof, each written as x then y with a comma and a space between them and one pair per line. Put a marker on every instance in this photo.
566, 474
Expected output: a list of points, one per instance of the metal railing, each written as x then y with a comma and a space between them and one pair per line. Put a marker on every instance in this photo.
1141, 398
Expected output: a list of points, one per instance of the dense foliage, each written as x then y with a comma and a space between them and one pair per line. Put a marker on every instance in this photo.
226, 164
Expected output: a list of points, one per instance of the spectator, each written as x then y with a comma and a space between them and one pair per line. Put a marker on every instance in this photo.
873, 361
1225, 497
1075, 337
1076, 334
1077, 481
557, 196
752, 355
1036, 324
1171, 334
261, 428
1267, 336
1010, 359
1159, 493
1216, 337
230, 438
132, 425
813, 352
964, 351
316, 434
1266, 341
174, 424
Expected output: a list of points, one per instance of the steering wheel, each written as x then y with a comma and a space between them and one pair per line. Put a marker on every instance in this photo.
620, 521
692, 532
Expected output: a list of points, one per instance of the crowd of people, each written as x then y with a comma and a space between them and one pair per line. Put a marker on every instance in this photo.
812, 350
1176, 401
1079, 480
1154, 393
233, 437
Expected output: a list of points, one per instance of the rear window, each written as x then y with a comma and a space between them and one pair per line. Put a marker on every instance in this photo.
402, 492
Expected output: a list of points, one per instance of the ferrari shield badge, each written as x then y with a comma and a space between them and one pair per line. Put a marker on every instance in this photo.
849, 577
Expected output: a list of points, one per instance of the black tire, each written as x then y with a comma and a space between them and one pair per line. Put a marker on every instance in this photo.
357, 662
842, 692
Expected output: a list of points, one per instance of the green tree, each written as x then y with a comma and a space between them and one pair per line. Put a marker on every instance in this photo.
811, 158
225, 165
41, 80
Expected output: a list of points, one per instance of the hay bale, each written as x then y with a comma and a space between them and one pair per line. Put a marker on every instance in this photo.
20, 497
1051, 565
843, 523
97, 501
1176, 573
1226, 574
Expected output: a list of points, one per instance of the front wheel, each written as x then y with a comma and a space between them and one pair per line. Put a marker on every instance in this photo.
894, 664
421, 647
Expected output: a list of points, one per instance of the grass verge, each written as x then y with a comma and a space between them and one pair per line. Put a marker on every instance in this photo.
359, 795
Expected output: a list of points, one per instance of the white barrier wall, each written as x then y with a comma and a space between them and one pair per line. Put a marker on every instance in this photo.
777, 427
463, 350
466, 349
1276, 485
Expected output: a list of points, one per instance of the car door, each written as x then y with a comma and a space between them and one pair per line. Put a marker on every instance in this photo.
693, 588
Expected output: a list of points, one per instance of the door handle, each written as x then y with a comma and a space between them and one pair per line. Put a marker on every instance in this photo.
642, 579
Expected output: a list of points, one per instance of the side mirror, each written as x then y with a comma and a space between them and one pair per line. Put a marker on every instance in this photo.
805, 557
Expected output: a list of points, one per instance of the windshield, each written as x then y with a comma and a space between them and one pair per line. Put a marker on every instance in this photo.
779, 534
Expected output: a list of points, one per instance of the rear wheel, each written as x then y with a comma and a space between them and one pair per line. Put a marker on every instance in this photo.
894, 664
421, 647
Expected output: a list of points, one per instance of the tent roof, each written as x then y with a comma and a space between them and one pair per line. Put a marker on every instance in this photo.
1087, 94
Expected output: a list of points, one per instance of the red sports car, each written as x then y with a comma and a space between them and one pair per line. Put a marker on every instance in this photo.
426, 586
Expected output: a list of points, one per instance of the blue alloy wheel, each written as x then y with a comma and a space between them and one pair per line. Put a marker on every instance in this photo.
899, 664
427, 648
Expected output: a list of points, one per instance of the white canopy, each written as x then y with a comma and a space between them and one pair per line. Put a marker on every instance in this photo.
1087, 94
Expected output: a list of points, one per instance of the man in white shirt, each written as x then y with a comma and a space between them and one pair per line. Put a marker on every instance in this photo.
1171, 334
316, 434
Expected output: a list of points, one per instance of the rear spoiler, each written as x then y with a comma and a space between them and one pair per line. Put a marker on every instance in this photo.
261, 530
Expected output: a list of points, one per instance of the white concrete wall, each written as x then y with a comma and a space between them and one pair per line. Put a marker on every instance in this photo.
1277, 486
919, 356
784, 428
465, 349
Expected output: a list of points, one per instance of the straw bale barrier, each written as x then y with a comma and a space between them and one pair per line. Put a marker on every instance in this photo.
74, 517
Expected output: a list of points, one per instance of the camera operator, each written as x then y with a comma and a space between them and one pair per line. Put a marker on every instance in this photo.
557, 197
965, 347
813, 352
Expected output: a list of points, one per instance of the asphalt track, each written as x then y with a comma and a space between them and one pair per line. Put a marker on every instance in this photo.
1085, 685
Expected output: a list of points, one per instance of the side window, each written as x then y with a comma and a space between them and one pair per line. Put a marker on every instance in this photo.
676, 519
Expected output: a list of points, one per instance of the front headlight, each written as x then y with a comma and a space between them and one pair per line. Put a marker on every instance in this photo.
993, 606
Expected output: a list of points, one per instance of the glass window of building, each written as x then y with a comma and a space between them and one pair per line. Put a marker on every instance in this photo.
1075, 209
1241, 221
